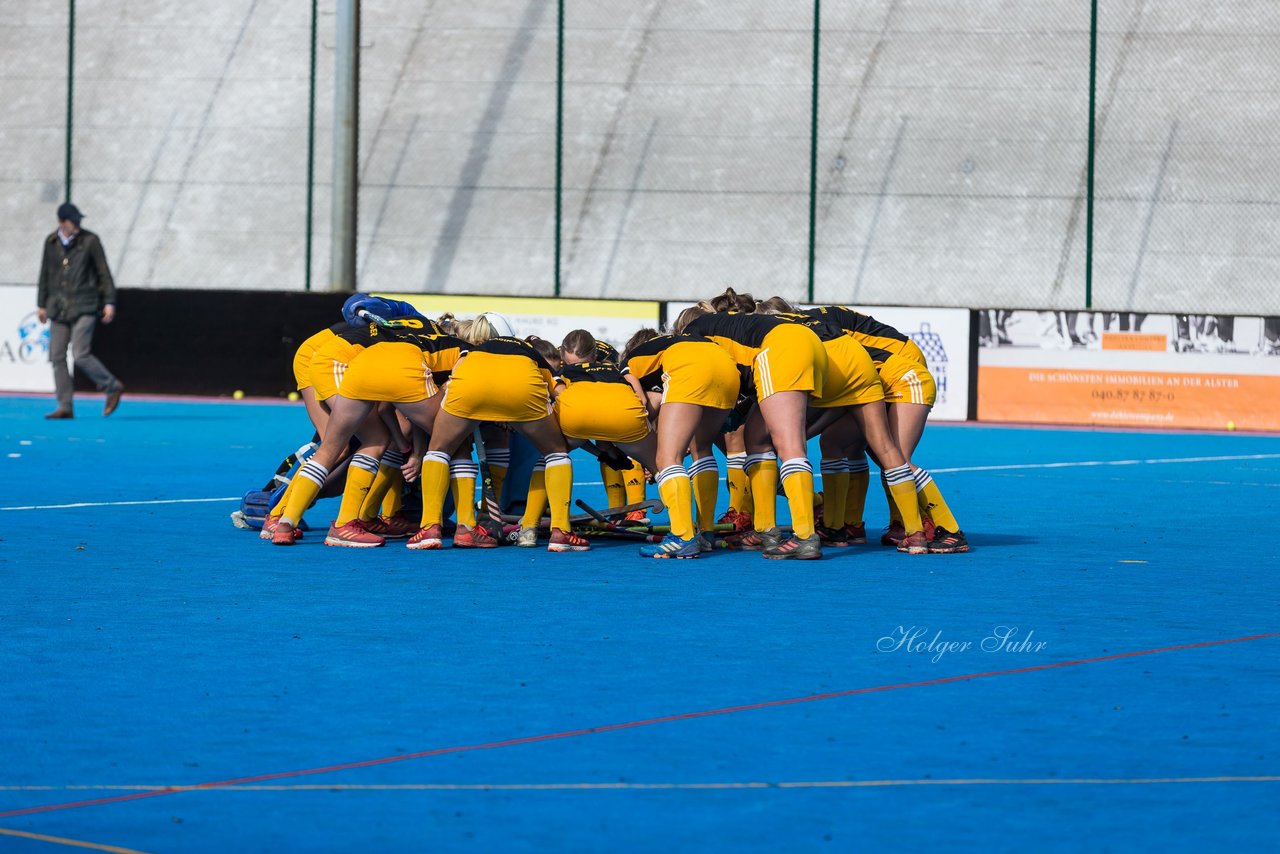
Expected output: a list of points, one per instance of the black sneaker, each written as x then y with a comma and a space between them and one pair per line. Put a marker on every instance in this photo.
796, 548
945, 542
832, 536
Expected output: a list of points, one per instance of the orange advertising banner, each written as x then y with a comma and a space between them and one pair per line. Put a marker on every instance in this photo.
1200, 372
1129, 398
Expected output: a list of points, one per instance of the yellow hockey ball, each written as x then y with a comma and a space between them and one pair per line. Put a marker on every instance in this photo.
1231, 425
293, 395
238, 394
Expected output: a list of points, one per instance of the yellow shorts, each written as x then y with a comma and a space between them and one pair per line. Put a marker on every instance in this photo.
602, 412
851, 375
302, 358
791, 359
496, 387
329, 364
907, 381
392, 371
701, 373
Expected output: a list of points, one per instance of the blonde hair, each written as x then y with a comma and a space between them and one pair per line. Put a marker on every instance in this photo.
477, 330
776, 305
690, 314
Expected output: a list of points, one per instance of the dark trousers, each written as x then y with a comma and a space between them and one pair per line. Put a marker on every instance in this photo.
79, 334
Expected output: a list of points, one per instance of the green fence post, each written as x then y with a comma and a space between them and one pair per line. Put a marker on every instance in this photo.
559, 132
71, 77
1088, 206
813, 145
311, 146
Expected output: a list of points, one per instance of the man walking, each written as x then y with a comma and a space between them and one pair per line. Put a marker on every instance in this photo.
75, 289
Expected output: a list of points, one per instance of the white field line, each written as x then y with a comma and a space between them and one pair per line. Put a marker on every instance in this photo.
781, 784
1013, 467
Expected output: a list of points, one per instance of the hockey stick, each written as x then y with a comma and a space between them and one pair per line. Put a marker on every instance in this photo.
373, 318
613, 528
651, 506
491, 511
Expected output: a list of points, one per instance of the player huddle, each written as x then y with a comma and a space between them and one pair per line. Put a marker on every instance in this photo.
397, 398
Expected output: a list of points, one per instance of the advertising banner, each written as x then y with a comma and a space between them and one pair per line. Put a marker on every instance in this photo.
24, 342
942, 335
1213, 372
613, 321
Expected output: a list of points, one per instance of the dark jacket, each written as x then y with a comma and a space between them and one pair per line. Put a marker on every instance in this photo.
74, 280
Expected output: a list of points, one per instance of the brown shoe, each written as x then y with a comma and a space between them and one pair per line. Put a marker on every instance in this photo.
58, 414
113, 400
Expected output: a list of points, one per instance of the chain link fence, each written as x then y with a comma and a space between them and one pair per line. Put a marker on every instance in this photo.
878, 152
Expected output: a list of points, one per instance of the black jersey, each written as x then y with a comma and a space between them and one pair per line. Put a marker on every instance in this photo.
591, 372
507, 346
880, 339
605, 352
825, 330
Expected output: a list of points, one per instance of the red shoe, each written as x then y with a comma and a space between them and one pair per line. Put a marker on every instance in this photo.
893, 534
392, 527
473, 538
740, 521
284, 534
856, 535
567, 541
426, 538
353, 535
914, 544
268, 527
927, 522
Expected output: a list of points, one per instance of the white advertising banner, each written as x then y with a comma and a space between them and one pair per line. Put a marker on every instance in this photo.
941, 333
24, 342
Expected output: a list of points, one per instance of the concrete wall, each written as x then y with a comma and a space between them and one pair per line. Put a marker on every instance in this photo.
950, 164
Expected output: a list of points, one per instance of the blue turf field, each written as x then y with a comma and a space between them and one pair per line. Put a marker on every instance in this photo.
333, 699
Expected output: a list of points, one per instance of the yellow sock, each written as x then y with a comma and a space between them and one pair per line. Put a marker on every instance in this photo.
499, 460
614, 485
895, 514
388, 476
360, 474
284, 498
706, 488
435, 485
855, 499
306, 486
835, 493
676, 491
902, 492
739, 486
797, 483
930, 500
559, 475
536, 503
462, 480
635, 484
393, 499
762, 475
